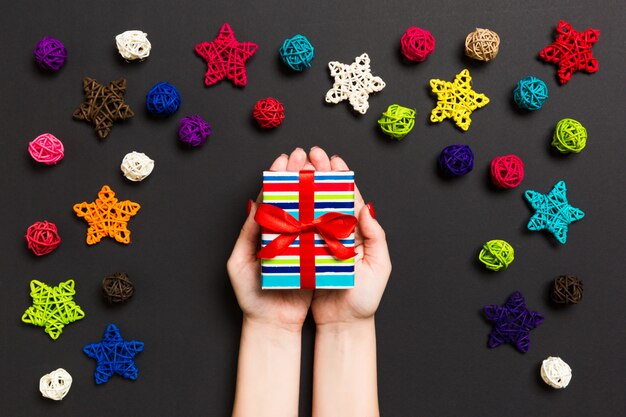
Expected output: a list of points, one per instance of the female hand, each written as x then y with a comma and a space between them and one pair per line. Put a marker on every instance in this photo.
282, 308
372, 263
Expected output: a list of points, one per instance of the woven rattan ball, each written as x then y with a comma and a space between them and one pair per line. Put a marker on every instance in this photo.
56, 384
555, 372
482, 44
117, 287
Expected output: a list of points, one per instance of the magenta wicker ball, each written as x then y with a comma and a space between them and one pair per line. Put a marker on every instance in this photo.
193, 130
417, 44
269, 113
42, 237
46, 149
50, 54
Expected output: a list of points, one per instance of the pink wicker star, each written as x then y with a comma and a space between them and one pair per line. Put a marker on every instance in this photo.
571, 51
226, 57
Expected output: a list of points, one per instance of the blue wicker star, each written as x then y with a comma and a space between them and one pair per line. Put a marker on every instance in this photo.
114, 355
512, 323
552, 211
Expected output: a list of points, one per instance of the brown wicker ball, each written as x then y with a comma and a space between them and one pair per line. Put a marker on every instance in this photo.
567, 289
482, 44
117, 287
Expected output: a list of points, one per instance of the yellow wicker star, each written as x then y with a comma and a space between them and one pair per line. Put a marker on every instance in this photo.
456, 100
53, 307
107, 216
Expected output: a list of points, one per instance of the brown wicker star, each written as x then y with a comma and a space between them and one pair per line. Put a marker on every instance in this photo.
103, 105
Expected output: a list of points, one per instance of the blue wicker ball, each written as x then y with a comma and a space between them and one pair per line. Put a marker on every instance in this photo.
163, 99
530, 93
297, 52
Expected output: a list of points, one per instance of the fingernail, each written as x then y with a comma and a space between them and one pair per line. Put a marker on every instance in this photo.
284, 154
249, 206
315, 147
334, 156
370, 207
298, 149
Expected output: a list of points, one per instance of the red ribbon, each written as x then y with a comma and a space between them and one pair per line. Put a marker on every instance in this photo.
331, 227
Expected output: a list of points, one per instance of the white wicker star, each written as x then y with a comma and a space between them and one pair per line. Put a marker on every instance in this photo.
353, 82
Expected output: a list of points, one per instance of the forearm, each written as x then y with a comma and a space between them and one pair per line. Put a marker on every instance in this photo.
344, 373
268, 373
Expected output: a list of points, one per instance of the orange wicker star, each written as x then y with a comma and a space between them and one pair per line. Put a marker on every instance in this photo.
107, 216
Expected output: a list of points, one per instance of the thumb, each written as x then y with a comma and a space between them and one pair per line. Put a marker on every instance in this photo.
375, 250
247, 244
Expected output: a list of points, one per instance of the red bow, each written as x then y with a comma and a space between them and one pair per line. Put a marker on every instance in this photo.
331, 226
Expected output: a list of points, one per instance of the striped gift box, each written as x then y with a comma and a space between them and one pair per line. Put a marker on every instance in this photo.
333, 192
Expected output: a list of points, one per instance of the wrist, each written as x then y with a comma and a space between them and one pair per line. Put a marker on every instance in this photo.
354, 327
272, 329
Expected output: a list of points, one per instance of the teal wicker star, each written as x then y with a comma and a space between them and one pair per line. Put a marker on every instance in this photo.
114, 355
552, 211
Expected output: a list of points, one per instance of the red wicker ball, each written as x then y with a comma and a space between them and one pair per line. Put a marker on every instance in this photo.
269, 113
42, 237
417, 44
46, 149
507, 171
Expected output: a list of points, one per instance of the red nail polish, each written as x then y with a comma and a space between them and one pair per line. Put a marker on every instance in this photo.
370, 207
249, 206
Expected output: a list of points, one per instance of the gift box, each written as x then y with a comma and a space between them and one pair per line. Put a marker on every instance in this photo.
308, 222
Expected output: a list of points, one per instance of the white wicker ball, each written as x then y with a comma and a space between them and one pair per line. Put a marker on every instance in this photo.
136, 166
555, 372
133, 45
56, 384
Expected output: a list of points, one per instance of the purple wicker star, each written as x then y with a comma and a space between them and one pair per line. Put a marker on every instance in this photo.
512, 322
114, 355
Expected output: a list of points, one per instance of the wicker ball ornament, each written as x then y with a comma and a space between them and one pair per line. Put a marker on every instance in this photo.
570, 136
482, 44
496, 255
42, 237
117, 287
507, 171
193, 130
163, 99
567, 289
530, 93
269, 113
417, 44
456, 160
136, 166
297, 53
555, 372
397, 121
50, 54
56, 384
133, 45
46, 149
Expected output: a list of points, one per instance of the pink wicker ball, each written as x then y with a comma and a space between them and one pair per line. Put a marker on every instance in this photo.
417, 44
42, 237
46, 149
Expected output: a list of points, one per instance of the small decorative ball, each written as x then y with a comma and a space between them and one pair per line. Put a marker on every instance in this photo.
133, 45
56, 384
269, 113
50, 54
297, 52
567, 289
193, 130
482, 44
46, 149
555, 372
117, 288
456, 160
397, 121
42, 237
163, 99
136, 166
530, 93
496, 255
569, 136
507, 171
417, 44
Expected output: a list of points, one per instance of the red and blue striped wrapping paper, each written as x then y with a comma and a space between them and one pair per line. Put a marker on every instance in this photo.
333, 192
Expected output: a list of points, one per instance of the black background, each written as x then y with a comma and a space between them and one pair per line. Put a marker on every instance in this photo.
432, 353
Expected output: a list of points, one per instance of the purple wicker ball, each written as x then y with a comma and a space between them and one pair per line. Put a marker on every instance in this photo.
50, 54
193, 130
456, 160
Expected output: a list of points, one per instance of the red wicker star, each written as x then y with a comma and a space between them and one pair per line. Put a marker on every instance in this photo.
571, 51
226, 57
